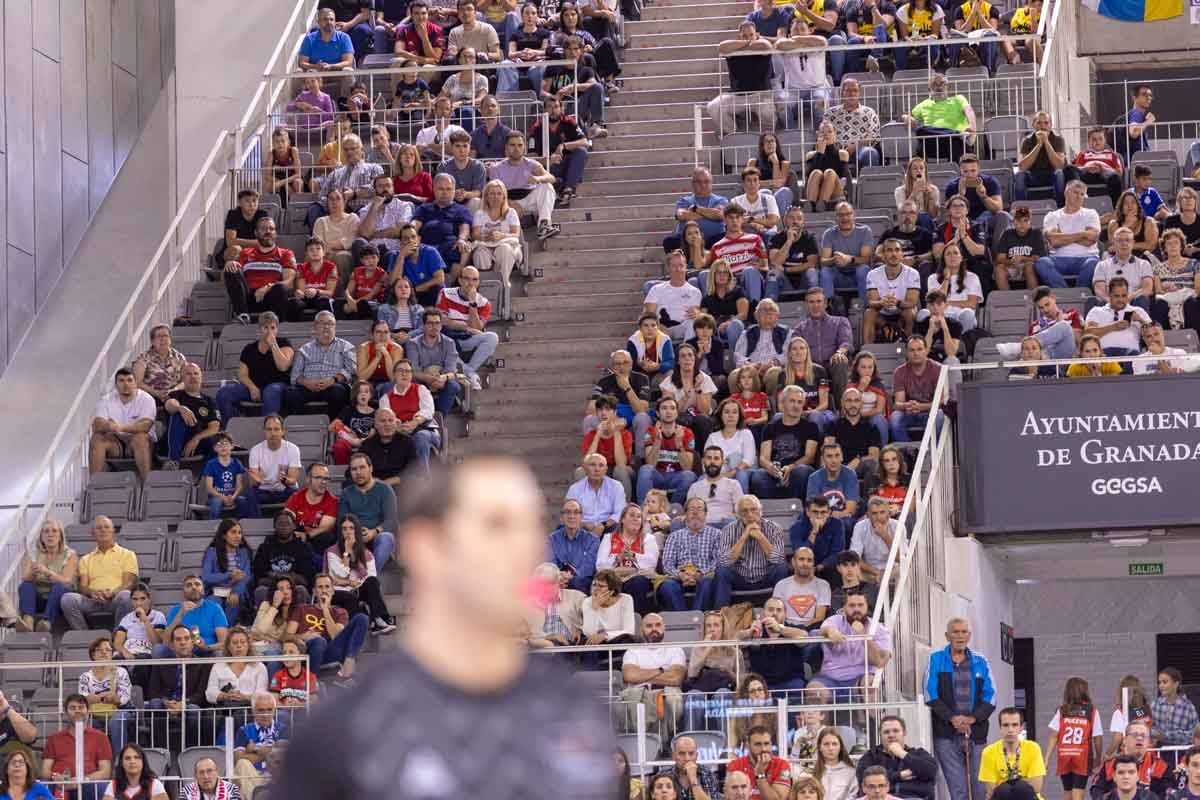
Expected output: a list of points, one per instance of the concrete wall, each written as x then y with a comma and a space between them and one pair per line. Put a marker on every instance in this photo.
78, 80
1151, 41
1100, 630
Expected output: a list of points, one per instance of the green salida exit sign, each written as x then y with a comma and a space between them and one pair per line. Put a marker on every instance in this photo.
1142, 569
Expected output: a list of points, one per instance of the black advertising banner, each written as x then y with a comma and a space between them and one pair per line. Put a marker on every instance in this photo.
1081, 454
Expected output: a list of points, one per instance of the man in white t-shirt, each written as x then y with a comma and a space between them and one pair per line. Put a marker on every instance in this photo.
274, 464
1118, 324
805, 597
647, 671
1152, 335
1072, 233
676, 298
123, 426
893, 292
719, 493
1124, 264
802, 58
762, 212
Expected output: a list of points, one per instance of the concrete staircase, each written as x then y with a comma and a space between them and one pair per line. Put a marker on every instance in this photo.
585, 293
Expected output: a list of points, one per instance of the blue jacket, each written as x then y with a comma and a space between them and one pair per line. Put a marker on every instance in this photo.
578, 554
210, 572
830, 542
939, 689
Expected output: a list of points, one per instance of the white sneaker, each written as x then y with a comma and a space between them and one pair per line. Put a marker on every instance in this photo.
244, 319
476, 384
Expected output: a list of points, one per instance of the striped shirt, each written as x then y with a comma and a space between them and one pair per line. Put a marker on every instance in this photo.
315, 362
685, 546
456, 307
350, 176
754, 564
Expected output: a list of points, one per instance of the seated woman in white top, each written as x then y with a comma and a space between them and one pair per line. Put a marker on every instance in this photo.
737, 443
355, 581
607, 613
133, 778
693, 391
234, 683
961, 286
632, 555
496, 232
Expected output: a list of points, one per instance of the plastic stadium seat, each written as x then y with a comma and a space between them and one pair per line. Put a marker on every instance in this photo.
195, 342
209, 303
190, 755
189, 552
592, 683
150, 554
1007, 320
1100, 203
736, 150
199, 528
143, 529
158, 759
1003, 135
794, 145
112, 494
1186, 339
876, 187
628, 742
1165, 165
245, 431
985, 352
496, 293
166, 495
710, 745
896, 143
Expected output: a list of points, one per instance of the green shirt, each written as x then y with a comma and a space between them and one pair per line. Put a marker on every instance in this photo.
950, 113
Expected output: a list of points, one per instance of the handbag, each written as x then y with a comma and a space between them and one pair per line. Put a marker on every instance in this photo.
710, 680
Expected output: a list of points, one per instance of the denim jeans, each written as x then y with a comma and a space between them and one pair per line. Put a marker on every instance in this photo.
426, 441
670, 595
1050, 270
764, 485
346, 644
178, 435
232, 393
31, 603
834, 278
479, 345
901, 422
676, 483
1058, 340
727, 581
243, 506
953, 762
757, 284
382, 547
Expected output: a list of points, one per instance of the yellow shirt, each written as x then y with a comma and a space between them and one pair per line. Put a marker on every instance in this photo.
985, 11
1022, 21
1084, 370
995, 768
106, 570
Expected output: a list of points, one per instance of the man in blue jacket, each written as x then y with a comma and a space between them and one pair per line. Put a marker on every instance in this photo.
573, 549
961, 699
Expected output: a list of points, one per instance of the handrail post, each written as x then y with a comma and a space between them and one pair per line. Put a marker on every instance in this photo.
228, 746
697, 133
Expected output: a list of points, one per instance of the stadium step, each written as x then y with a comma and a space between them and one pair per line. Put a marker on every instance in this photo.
687, 67
617, 228
627, 313
621, 299
610, 213
679, 24
683, 93
708, 81
650, 111
664, 47
621, 253
573, 330
710, 38
678, 11
664, 153
596, 238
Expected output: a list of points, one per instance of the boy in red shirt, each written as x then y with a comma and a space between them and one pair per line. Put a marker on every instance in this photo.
293, 684
366, 286
1099, 165
316, 282
746, 256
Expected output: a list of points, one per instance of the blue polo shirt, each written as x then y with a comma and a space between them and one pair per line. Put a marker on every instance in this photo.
206, 617
440, 225
709, 227
429, 261
319, 51
769, 24
1150, 200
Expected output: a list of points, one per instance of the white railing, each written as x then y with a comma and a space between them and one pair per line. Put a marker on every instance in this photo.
58, 480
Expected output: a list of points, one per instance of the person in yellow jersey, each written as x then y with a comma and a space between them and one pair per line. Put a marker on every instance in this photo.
974, 19
1012, 768
918, 21
1023, 21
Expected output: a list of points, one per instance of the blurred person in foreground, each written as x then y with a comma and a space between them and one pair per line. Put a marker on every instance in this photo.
461, 680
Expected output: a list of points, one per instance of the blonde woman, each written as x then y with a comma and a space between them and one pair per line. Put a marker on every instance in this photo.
632, 555
918, 188
47, 574
799, 370
711, 669
496, 230
725, 302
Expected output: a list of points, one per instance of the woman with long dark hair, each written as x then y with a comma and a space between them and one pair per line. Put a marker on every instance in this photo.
891, 478
132, 777
227, 569
1076, 734
776, 170
351, 564
864, 376
961, 286
693, 391
1130, 214
1174, 715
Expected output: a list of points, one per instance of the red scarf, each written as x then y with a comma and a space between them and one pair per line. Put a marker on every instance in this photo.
623, 558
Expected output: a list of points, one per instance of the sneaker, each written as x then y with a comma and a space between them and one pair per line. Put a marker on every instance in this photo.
475, 382
244, 319
597, 131
564, 199
872, 64
170, 465
612, 87
381, 626
547, 230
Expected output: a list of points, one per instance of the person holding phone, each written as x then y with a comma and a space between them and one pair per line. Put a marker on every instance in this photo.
1117, 323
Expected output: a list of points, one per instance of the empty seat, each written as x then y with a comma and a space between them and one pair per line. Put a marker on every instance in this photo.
245, 431
736, 150
895, 140
628, 742
209, 302
234, 339
166, 495
112, 494
497, 295
205, 528
1003, 135
1185, 339
195, 342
